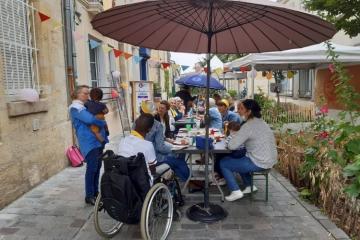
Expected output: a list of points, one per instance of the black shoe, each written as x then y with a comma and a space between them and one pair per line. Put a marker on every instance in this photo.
90, 200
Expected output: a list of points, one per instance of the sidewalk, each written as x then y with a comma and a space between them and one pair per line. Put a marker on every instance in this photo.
56, 210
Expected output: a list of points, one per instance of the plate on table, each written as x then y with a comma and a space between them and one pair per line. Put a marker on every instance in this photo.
179, 147
181, 142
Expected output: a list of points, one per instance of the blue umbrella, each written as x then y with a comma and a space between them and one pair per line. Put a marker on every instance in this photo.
199, 80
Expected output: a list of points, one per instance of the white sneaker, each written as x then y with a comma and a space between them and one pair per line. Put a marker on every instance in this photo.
235, 195
248, 189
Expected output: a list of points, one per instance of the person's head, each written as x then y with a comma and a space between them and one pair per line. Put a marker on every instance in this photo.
233, 127
144, 123
96, 94
223, 106
81, 93
164, 107
172, 103
212, 102
248, 109
216, 97
185, 88
147, 107
179, 102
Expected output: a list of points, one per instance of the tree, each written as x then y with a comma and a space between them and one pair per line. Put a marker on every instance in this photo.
223, 57
344, 14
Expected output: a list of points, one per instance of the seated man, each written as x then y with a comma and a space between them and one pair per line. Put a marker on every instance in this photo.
162, 148
134, 143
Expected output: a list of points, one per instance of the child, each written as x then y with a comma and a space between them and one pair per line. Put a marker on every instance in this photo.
234, 127
98, 109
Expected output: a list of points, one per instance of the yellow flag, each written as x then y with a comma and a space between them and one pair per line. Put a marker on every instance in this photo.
56, 25
269, 75
106, 48
218, 71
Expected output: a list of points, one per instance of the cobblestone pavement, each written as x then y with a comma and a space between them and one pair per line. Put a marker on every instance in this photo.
56, 210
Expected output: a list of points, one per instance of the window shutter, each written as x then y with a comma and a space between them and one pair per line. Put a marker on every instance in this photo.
16, 49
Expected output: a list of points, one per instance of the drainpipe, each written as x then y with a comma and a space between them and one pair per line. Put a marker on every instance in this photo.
70, 53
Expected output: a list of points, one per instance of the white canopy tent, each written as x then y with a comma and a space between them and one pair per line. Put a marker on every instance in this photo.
295, 59
300, 58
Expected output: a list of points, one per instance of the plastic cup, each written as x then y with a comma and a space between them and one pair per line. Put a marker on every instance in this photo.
188, 127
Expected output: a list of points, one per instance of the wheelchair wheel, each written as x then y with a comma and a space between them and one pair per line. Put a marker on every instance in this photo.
157, 213
105, 226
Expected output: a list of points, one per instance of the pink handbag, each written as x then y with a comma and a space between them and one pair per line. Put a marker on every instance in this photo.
75, 157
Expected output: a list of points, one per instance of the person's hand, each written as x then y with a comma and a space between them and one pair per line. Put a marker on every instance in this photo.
152, 169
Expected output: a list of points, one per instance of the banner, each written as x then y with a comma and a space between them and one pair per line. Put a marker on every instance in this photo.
43, 17
94, 44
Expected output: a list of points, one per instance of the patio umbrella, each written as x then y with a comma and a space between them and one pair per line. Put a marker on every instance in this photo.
212, 26
199, 80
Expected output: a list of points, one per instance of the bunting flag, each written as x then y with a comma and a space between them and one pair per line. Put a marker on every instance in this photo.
165, 65
218, 71
269, 75
290, 74
106, 48
94, 44
244, 69
137, 59
114, 93
56, 25
43, 17
78, 36
124, 85
127, 55
117, 52
184, 67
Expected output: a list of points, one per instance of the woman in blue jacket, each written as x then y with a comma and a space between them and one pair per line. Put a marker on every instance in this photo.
90, 147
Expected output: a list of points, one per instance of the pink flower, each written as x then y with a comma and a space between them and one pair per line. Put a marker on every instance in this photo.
331, 67
114, 93
324, 109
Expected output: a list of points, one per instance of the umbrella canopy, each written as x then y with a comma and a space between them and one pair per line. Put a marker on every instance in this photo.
211, 26
199, 80
234, 26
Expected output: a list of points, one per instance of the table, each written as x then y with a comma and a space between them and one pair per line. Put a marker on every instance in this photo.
184, 121
219, 147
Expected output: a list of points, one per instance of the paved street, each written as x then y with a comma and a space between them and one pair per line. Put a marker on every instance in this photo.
56, 210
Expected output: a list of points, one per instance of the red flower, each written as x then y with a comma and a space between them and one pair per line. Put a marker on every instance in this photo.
331, 67
324, 109
324, 135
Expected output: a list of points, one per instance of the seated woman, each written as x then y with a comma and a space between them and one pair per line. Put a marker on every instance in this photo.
260, 145
165, 119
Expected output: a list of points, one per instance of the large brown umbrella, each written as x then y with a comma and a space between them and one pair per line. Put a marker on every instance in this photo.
211, 26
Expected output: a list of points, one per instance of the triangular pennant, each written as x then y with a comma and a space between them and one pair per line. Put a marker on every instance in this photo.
218, 71
165, 65
56, 25
43, 17
106, 48
127, 55
183, 67
117, 52
94, 44
137, 59
78, 36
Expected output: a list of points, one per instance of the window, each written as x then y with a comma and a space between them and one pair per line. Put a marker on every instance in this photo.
94, 67
306, 78
17, 45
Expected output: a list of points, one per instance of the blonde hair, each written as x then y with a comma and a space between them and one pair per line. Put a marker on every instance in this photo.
77, 90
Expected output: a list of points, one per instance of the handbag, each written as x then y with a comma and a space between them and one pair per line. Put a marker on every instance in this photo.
74, 155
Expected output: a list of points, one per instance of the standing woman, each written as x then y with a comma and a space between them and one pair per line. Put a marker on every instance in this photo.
90, 147
260, 146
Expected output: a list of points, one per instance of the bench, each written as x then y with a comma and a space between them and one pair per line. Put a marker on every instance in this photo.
265, 174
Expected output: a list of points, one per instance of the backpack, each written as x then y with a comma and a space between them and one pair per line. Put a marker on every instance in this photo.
124, 185
74, 155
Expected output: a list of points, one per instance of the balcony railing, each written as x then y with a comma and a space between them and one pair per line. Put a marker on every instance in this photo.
93, 6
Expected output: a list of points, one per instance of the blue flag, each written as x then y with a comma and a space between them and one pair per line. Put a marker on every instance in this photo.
94, 44
183, 67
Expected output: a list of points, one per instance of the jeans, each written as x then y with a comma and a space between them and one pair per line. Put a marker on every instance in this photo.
178, 165
235, 154
93, 166
244, 166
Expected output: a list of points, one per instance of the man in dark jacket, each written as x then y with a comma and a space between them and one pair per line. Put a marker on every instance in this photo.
185, 95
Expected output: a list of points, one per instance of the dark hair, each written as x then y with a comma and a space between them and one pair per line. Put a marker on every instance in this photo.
166, 118
96, 94
253, 106
77, 90
144, 122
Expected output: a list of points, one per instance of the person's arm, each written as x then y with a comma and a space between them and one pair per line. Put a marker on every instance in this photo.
159, 141
238, 138
86, 117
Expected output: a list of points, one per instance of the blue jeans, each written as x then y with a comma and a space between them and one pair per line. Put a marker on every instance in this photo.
93, 166
178, 165
244, 166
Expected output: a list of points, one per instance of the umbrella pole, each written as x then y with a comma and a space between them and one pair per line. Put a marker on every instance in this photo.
207, 212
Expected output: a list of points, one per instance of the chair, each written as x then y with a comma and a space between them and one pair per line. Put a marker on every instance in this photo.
264, 173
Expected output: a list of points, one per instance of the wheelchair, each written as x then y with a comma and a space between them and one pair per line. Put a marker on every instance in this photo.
160, 205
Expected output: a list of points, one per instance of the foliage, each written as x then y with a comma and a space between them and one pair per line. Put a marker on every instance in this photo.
232, 93
167, 82
264, 101
345, 16
157, 89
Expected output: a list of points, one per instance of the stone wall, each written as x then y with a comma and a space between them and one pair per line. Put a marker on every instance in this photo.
29, 157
